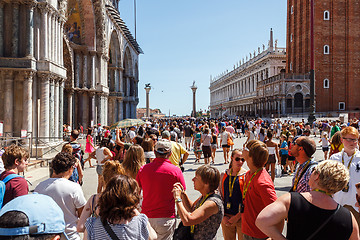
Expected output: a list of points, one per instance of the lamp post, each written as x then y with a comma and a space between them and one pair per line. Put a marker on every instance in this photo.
147, 89
311, 117
194, 88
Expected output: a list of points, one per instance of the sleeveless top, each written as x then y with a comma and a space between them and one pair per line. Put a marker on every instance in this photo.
135, 229
271, 150
214, 139
305, 218
236, 197
207, 229
100, 155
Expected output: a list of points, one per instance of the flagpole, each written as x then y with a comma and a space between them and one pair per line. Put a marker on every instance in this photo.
135, 16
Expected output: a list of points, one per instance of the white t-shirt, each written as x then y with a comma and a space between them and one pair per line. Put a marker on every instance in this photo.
69, 196
224, 136
348, 198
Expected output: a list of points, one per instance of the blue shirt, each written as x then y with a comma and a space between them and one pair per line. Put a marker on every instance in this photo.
283, 151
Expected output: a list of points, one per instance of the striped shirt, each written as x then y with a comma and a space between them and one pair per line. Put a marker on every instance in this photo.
135, 229
303, 184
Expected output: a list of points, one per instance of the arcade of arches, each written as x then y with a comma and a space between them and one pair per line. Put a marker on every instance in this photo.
65, 61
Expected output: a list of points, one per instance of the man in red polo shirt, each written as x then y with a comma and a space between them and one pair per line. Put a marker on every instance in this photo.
157, 180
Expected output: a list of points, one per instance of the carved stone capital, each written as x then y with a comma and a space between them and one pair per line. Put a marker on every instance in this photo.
69, 91
43, 7
44, 76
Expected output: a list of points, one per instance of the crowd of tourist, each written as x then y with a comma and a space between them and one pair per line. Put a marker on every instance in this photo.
141, 190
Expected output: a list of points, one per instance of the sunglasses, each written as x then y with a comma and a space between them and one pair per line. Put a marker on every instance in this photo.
350, 139
240, 159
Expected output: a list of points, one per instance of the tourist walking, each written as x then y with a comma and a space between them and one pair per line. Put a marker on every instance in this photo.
89, 147
224, 142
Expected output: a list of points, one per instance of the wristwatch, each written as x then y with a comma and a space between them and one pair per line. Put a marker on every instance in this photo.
178, 200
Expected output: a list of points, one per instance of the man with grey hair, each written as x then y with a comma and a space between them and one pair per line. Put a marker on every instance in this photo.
157, 179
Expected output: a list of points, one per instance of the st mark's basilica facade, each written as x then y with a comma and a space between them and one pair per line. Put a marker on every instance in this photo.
65, 62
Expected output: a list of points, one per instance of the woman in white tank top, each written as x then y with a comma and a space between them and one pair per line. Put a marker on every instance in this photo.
273, 151
101, 154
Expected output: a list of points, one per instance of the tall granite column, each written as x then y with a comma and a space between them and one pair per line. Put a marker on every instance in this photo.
9, 102
30, 30
1, 29
44, 105
61, 106
27, 101
93, 68
85, 70
15, 33
56, 108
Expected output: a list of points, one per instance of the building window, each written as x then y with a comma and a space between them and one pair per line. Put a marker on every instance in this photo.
291, 37
326, 83
326, 49
326, 15
291, 67
292, 9
341, 106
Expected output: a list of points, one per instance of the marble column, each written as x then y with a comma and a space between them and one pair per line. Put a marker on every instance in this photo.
44, 105
77, 69
100, 110
27, 101
85, 71
30, 33
1, 29
52, 106
70, 96
111, 107
56, 108
61, 44
43, 34
52, 37
93, 68
292, 105
92, 107
15, 33
85, 116
9, 102
61, 107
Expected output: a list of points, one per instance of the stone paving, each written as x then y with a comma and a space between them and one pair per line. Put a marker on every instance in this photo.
282, 184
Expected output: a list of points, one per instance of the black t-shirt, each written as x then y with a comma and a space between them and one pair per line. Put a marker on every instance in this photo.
305, 218
188, 131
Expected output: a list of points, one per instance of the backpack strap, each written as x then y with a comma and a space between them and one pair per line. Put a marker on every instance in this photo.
9, 177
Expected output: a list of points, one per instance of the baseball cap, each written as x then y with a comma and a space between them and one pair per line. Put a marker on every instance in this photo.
163, 146
165, 134
45, 216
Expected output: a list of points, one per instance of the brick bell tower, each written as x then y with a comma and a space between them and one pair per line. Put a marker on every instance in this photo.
336, 50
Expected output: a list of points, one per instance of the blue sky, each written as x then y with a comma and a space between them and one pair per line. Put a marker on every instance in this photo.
189, 40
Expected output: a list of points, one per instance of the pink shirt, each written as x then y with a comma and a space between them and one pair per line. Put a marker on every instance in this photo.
157, 180
261, 192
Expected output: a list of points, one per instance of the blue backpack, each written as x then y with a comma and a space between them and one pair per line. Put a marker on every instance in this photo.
2, 186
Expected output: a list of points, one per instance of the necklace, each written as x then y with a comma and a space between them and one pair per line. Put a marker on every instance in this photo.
322, 191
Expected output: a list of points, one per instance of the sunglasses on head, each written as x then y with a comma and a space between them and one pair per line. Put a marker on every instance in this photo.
240, 159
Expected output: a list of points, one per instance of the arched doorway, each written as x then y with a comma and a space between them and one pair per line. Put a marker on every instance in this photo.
298, 102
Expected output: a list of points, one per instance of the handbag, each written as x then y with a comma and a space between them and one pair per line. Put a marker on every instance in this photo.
182, 233
181, 161
230, 141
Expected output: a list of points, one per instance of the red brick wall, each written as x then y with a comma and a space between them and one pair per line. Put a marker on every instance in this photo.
342, 65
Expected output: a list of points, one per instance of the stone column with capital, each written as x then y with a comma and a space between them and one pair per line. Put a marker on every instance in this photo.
194, 88
27, 101
9, 101
92, 115
147, 89
44, 130
85, 102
